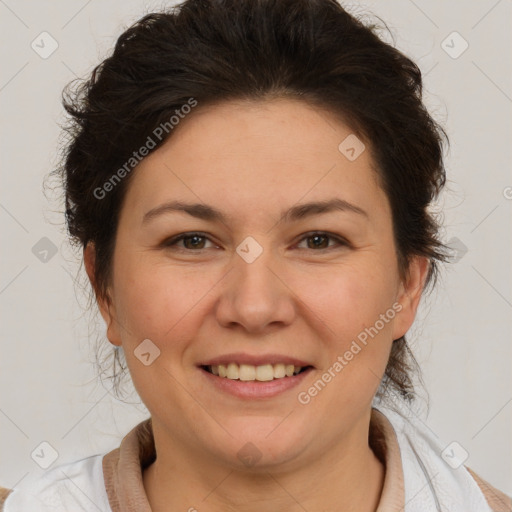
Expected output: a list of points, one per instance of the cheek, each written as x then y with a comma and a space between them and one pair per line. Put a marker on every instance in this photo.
355, 305
349, 298
156, 301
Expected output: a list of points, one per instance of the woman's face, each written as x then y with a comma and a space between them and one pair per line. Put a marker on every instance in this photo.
255, 286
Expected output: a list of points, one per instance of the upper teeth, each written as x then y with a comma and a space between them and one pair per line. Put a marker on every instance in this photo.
249, 372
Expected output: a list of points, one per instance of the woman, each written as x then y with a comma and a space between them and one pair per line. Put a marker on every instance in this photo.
250, 183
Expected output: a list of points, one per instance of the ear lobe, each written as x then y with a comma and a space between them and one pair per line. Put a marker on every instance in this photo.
90, 263
90, 267
104, 304
410, 294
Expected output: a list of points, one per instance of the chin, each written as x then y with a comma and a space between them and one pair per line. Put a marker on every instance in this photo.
263, 443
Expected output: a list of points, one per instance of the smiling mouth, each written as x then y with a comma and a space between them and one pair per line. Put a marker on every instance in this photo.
262, 373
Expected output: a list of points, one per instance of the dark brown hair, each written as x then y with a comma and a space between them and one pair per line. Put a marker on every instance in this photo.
219, 50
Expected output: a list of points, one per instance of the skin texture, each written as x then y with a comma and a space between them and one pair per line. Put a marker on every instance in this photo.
252, 160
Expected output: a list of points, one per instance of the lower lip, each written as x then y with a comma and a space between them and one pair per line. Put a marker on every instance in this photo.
255, 389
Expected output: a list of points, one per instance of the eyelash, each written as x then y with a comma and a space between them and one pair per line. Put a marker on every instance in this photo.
174, 240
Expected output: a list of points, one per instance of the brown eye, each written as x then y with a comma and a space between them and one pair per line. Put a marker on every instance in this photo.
191, 241
320, 241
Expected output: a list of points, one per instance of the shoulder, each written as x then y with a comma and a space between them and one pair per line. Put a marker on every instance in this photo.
77, 486
421, 455
498, 501
3, 496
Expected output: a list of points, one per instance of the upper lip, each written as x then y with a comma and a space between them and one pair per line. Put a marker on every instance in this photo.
254, 360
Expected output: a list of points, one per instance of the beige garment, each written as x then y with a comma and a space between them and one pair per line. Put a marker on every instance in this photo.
122, 470
125, 489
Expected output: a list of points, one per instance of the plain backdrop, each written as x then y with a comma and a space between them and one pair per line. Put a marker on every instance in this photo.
50, 391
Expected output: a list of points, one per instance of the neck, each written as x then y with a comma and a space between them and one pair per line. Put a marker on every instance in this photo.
348, 477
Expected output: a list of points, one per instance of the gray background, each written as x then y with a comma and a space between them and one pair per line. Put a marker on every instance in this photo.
462, 336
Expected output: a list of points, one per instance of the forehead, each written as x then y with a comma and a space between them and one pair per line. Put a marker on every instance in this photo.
258, 155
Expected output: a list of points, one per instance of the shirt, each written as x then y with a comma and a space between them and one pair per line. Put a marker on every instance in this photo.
113, 482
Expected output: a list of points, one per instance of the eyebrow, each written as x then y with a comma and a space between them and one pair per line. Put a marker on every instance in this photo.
295, 213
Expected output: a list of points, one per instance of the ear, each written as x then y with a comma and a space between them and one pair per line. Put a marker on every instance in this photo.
105, 304
409, 295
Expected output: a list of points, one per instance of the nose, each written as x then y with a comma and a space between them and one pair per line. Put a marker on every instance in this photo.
254, 296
